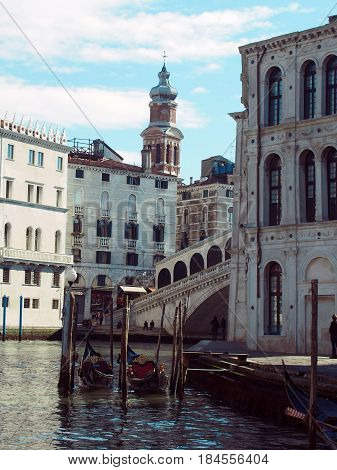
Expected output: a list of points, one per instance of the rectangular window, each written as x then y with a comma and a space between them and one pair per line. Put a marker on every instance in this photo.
77, 255
132, 259
26, 303
161, 184
106, 177
31, 157
40, 159
205, 193
9, 189
28, 277
59, 198
59, 164
10, 152
103, 257
79, 174
5, 302
30, 193
134, 180
186, 195
56, 279
101, 280
55, 304
229, 193
5, 275
39, 190
36, 278
35, 303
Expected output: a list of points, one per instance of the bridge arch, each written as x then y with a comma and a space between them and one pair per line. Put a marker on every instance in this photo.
214, 256
196, 263
228, 247
180, 271
164, 278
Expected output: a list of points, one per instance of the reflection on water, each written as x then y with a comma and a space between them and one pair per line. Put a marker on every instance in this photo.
33, 416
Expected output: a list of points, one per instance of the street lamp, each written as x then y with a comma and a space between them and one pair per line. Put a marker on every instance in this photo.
70, 275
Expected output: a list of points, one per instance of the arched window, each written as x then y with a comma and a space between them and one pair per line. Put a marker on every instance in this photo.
7, 235
274, 325
168, 151
185, 217
132, 205
184, 240
57, 241
204, 216
175, 155
214, 256
164, 278
331, 86
332, 184
275, 97
309, 90
77, 225
180, 271
158, 153
310, 190
158, 233
196, 264
37, 241
160, 206
78, 197
29, 238
275, 191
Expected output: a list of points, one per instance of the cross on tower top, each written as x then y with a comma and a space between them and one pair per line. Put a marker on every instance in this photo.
164, 57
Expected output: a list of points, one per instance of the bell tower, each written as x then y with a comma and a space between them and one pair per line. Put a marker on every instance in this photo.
162, 138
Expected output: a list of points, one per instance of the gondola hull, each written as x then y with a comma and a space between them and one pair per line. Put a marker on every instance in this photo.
157, 383
144, 375
94, 372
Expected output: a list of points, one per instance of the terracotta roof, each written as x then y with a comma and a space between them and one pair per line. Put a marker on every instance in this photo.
212, 179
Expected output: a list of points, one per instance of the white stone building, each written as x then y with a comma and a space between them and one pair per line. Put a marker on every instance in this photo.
33, 207
285, 199
122, 218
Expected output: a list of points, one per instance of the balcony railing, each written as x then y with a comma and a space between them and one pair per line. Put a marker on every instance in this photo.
132, 216
132, 244
78, 210
26, 256
105, 213
160, 247
103, 242
78, 240
161, 219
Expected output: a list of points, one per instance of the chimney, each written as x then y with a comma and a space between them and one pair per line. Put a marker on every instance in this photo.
191, 180
332, 19
146, 159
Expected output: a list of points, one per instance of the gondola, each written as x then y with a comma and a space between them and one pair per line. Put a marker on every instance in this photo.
326, 410
144, 375
94, 372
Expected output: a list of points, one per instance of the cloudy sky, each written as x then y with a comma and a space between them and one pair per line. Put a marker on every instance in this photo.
89, 65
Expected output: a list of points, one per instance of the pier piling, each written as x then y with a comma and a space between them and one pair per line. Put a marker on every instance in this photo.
4, 306
20, 318
313, 369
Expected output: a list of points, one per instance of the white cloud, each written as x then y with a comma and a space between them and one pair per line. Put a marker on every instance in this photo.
120, 30
199, 90
209, 68
132, 158
106, 108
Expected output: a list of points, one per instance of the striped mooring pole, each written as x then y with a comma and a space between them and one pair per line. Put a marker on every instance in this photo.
4, 306
20, 318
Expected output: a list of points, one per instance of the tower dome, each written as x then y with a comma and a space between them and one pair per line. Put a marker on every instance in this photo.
163, 92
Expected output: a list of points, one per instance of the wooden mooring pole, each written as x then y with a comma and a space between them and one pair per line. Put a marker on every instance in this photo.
64, 379
4, 306
74, 313
112, 336
124, 350
20, 317
181, 379
313, 369
160, 333
174, 349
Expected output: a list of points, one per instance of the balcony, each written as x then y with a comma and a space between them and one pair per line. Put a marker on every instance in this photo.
160, 247
14, 255
78, 210
105, 213
77, 240
131, 244
160, 219
103, 242
132, 216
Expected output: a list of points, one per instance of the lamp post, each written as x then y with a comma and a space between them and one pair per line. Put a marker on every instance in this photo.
68, 338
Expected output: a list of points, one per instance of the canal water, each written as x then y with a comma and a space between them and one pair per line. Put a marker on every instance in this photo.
34, 416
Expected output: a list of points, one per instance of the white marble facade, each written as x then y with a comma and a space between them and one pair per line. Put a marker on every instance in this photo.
33, 207
285, 165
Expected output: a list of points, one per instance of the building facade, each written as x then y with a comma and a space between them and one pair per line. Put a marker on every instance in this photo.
205, 207
122, 218
285, 206
33, 205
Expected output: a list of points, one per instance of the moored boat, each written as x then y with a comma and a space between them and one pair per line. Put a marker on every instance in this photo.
144, 375
94, 372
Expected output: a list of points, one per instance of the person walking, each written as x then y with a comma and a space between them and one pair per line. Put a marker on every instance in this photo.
223, 326
215, 327
151, 325
333, 336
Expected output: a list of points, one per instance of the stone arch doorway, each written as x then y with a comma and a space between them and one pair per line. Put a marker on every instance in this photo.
164, 278
180, 271
197, 263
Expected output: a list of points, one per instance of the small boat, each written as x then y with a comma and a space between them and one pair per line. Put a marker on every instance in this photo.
144, 375
94, 371
326, 409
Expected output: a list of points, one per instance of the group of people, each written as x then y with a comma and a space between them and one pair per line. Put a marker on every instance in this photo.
216, 325
146, 325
